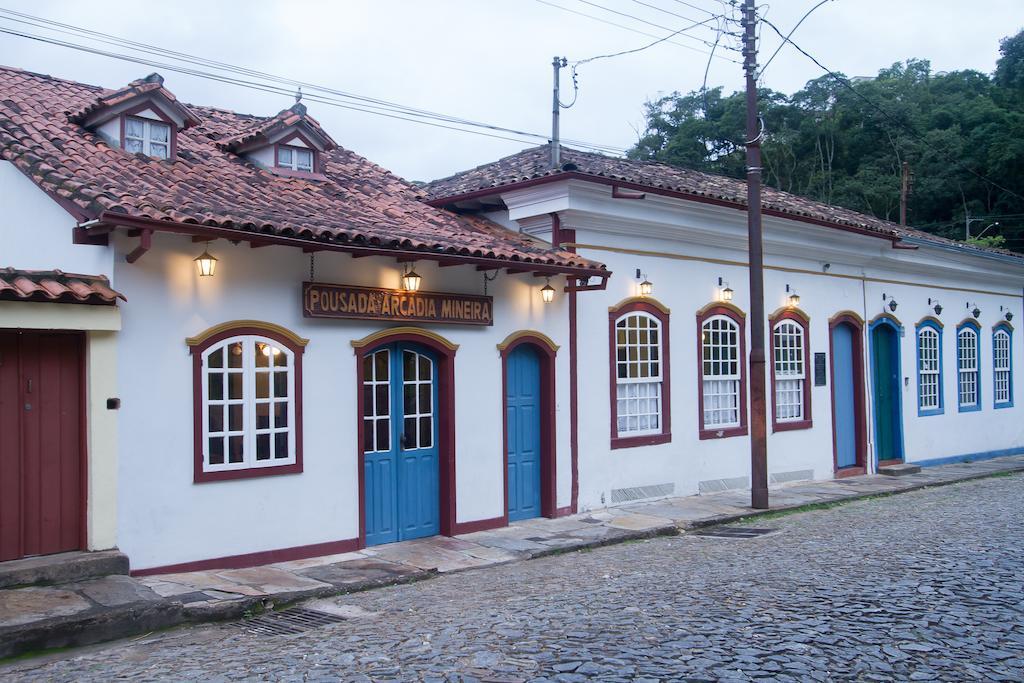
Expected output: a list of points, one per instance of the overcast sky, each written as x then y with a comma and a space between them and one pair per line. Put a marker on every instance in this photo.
490, 60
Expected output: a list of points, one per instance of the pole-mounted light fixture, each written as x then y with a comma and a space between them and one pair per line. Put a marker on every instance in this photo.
794, 298
206, 263
937, 307
725, 291
547, 292
411, 280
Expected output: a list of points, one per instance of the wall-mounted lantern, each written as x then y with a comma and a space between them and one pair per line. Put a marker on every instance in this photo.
794, 298
975, 311
724, 291
206, 263
645, 287
937, 307
547, 292
411, 280
892, 302
1008, 315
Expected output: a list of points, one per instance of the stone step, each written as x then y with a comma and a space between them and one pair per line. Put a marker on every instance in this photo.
62, 568
900, 470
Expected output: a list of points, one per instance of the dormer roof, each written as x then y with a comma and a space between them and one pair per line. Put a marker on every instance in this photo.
148, 90
281, 128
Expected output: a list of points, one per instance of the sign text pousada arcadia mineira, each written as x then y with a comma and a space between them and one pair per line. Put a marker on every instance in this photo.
323, 300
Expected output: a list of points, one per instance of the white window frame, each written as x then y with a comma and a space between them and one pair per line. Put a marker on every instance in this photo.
293, 153
716, 385
147, 140
370, 412
628, 389
789, 372
249, 401
967, 365
929, 369
1002, 374
414, 442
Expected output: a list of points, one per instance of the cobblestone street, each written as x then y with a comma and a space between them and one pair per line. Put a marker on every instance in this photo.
922, 586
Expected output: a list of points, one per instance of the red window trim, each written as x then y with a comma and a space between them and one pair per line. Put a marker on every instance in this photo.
801, 319
662, 315
316, 173
173, 150
199, 476
738, 317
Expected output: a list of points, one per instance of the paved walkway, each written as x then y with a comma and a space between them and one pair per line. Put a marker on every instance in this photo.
921, 587
116, 606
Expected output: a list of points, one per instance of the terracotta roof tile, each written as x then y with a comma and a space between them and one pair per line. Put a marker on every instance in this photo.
355, 203
534, 164
56, 285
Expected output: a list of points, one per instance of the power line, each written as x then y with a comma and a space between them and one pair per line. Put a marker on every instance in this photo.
791, 32
361, 103
642, 21
692, 6
628, 28
905, 126
671, 13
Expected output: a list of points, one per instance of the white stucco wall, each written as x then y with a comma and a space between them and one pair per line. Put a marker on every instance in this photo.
167, 519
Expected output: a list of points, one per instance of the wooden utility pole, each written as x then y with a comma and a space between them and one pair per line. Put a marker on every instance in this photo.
758, 403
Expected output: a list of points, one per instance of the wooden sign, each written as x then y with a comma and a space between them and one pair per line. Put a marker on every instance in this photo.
322, 300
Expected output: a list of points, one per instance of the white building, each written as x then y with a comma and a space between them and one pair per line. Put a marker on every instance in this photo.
363, 365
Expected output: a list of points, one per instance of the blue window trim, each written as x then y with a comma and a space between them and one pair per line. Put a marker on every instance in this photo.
1002, 327
891, 321
972, 324
937, 326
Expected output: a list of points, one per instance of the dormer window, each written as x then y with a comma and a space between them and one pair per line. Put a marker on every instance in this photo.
152, 138
295, 158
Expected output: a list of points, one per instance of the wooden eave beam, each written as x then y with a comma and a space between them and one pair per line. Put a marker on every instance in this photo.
145, 242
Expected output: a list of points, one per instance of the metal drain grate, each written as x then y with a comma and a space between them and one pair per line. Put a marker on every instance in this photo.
731, 532
287, 622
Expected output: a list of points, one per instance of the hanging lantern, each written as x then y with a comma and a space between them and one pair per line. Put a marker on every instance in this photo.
727, 294
1009, 316
893, 305
646, 287
206, 263
547, 292
411, 280
976, 312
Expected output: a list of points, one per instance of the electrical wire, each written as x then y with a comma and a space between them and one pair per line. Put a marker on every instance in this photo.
842, 80
627, 28
791, 32
692, 6
362, 104
642, 21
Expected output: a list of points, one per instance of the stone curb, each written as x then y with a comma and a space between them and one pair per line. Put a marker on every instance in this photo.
144, 617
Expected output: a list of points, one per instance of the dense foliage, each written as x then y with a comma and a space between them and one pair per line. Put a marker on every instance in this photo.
829, 143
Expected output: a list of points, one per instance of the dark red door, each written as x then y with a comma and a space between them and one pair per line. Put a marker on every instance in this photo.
40, 443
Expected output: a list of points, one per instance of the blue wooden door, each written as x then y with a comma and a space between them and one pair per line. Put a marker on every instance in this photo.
400, 467
844, 395
522, 406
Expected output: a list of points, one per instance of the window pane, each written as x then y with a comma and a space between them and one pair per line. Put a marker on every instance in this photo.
383, 407
368, 400
408, 366
281, 445
159, 151
281, 414
262, 355
262, 416
262, 385
235, 355
426, 432
263, 446
425, 398
409, 391
216, 456
284, 156
235, 418
216, 418
367, 436
134, 127
159, 132
383, 435
235, 453
235, 385
304, 159
380, 360
133, 146
215, 389
216, 359
410, 433
281, 384
425, 368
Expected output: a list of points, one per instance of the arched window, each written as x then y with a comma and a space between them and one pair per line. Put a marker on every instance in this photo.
723, 401
791, 408
968, 363
1002, 365
640, 372
248, 402
929, 368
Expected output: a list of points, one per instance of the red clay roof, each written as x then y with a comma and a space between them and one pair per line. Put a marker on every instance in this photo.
355, 203
288, 118
56, 285
151, 84
533, 165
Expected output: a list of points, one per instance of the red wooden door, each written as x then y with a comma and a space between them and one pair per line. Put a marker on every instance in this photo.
40, 443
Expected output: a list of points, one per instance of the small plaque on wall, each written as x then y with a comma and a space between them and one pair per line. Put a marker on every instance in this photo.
819, 369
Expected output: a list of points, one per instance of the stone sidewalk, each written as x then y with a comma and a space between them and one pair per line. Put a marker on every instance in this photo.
41, 617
